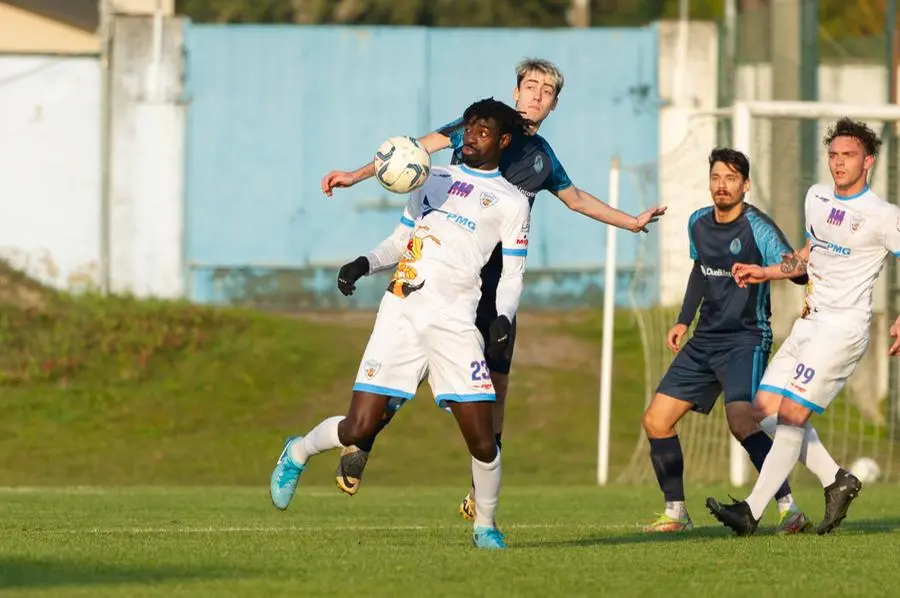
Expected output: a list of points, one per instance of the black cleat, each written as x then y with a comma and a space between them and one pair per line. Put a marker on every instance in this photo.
838, 497
737, 516
350, 470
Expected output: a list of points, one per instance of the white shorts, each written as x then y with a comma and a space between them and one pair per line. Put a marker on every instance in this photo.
411, 341
813, 364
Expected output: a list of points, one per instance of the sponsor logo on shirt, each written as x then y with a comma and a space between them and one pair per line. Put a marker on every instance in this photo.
715, 272
836, 217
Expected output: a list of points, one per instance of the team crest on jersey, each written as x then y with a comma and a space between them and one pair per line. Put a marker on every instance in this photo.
488, 199
538, 163
371, 368
735, 247
856, 223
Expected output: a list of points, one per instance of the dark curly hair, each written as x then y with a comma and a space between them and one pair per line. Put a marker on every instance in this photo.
506, 117
737, 160
847, 127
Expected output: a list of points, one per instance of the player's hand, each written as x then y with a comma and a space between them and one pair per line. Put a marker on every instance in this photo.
647, 217
895, 333
335, 179
675, 336
350, 273
745, 274
498, 338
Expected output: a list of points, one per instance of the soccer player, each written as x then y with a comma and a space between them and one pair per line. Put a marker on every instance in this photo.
426, 321
730, 346
528, 163
850, 231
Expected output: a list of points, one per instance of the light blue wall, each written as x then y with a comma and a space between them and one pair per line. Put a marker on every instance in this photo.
273, 108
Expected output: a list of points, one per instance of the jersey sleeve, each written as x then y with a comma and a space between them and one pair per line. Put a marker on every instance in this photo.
772, 243
387, 253
453, 130
692, 247
559, 178
514, 248
891, 224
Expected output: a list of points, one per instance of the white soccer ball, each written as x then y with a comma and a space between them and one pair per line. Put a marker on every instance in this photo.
866, 469
401, 164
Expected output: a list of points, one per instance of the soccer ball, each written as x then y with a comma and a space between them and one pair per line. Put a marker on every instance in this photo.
866, 469
401, 164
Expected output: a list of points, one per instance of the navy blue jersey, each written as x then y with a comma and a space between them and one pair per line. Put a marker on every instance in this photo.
528, 162
728, 310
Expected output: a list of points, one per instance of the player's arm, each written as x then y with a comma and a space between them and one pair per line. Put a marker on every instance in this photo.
793, 266
579, 200
432, 142
514, 249
890, 222
383, 257
693, 295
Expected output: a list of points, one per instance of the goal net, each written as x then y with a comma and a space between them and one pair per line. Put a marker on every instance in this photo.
784, 143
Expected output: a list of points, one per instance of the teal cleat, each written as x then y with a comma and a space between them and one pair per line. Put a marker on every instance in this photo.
285, 477
488, 537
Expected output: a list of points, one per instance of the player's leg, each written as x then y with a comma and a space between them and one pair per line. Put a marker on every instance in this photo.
334, 432
392, 365
689, 384
352, 463
499, 369
740, 370
460, 380
823, 360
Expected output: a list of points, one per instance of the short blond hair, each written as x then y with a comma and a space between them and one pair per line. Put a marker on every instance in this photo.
539, 65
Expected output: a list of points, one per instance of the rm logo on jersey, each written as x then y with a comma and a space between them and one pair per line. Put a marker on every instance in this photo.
371, 368
488, 199
836, 217
460, 188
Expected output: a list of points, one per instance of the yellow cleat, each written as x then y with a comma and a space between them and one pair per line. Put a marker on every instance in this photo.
467, 507
350, 469
666, 524
793, 521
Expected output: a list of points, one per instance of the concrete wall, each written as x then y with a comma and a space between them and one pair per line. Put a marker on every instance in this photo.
146, 203
50, 168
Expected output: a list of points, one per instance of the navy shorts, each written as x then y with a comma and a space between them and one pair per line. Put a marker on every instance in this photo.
502, 364
701, 371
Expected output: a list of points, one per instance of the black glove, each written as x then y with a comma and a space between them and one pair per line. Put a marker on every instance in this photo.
350, 273
498, 338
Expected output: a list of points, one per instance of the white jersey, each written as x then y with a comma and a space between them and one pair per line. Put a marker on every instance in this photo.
849, 239
449, 228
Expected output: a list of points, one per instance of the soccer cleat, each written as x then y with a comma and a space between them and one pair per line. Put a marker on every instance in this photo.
350, 469
285, 477
737, 516
467, 507
664, 523
488, 537
793, 521
838, 497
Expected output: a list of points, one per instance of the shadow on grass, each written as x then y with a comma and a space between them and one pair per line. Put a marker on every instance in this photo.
23, 572
714, 532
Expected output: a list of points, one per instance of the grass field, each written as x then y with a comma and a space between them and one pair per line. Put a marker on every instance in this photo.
564, 541
138, 438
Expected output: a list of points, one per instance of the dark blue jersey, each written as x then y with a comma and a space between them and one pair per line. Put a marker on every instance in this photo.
728, 312
528, 162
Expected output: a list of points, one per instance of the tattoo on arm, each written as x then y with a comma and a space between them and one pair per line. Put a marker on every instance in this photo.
794, 264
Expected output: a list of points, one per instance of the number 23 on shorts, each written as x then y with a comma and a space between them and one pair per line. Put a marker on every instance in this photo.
480, 371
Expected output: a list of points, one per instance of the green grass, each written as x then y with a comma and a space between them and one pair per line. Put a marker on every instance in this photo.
564, 541
120, 392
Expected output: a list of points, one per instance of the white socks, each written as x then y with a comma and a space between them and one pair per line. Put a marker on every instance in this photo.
323, 437
782, 458
813, 453
486, 479
676, 509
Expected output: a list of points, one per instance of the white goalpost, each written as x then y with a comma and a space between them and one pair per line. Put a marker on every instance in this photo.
853, 429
